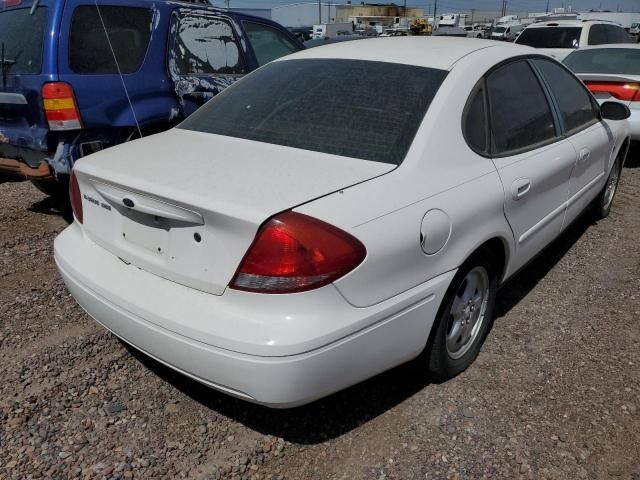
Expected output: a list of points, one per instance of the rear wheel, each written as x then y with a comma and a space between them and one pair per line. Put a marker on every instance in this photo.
603, 202
464, 317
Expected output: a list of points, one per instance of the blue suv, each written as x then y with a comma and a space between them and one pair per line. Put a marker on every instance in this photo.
78, 76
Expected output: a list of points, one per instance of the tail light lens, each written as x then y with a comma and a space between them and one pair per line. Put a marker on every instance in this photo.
60, 106
75, 197
294, 253
627, 92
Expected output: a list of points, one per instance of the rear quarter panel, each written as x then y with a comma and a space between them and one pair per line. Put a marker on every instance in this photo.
439, 172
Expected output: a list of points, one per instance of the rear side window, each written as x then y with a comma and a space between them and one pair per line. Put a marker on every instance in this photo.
474, 126
575, 102
334, 106
94, 33
22, 36
268, 43
597, 35
521, 118
550, 37
206, 45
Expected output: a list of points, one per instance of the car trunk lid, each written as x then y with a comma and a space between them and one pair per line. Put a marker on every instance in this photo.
186, 205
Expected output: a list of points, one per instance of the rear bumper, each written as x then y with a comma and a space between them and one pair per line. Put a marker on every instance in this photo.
253, 357
18, 167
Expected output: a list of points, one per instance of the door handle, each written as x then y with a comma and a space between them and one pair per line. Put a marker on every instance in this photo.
585, 153
520, 188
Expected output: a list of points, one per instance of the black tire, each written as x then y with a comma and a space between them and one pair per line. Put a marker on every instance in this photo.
603, 202
441, 364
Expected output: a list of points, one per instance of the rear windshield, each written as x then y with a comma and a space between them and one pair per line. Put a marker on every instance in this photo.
21, 38
550, 37
352, 108
500, 29
624, 61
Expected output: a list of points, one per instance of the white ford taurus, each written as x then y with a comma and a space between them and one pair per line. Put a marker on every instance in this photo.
338, 212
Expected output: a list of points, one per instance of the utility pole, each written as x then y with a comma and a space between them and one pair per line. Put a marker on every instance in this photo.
319, 12
473, 14
547, 11
435, 13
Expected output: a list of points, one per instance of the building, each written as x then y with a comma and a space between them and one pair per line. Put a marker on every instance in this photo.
363, 15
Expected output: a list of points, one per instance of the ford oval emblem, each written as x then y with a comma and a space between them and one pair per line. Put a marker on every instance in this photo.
128, 202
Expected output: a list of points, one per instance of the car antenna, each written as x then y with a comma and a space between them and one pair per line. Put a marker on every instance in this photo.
115, 59
33, 7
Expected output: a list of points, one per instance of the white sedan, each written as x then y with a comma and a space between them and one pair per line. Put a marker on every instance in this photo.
339, 212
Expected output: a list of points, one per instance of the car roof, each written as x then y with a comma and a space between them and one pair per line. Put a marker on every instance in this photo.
432, 52
557, 23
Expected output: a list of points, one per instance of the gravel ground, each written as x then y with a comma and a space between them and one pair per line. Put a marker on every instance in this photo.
554, 393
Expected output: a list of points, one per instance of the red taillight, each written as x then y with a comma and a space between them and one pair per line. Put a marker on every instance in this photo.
75, 197
625, 91
10, 3
294, 252
60, 106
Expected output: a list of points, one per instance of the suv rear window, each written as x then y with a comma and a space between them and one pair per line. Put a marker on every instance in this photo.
22, 37
128, 30
340, 107
550, 37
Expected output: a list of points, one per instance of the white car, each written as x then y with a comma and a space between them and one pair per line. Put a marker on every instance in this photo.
612, 73
338, 212
559, 38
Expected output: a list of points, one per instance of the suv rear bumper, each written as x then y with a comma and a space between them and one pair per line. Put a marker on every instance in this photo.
21, 168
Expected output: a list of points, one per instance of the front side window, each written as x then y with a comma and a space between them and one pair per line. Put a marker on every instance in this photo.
575, 102
206, 45
617, 34
94, 33
334, 106
22, 36
520, 114
268, 43
550, 37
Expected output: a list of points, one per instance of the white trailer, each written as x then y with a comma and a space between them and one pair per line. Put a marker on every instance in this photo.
331, 30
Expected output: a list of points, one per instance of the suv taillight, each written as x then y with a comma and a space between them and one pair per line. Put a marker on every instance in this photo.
293, 252
75, 197
60, 106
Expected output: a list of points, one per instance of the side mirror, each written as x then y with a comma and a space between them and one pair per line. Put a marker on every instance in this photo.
614, 111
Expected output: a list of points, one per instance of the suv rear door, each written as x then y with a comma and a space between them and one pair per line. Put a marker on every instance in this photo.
130, 30
26, 62
205, 56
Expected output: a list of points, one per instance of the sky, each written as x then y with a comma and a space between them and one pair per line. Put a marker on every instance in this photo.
455, 5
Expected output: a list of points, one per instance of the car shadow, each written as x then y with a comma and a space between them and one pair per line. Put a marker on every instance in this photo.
53, 206
341, 412
633, 157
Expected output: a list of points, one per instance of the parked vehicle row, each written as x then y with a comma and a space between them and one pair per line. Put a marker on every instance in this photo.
322, 228
80, 76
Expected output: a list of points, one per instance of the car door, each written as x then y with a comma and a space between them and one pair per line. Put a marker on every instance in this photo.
591, 138
533, 161
205, 56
